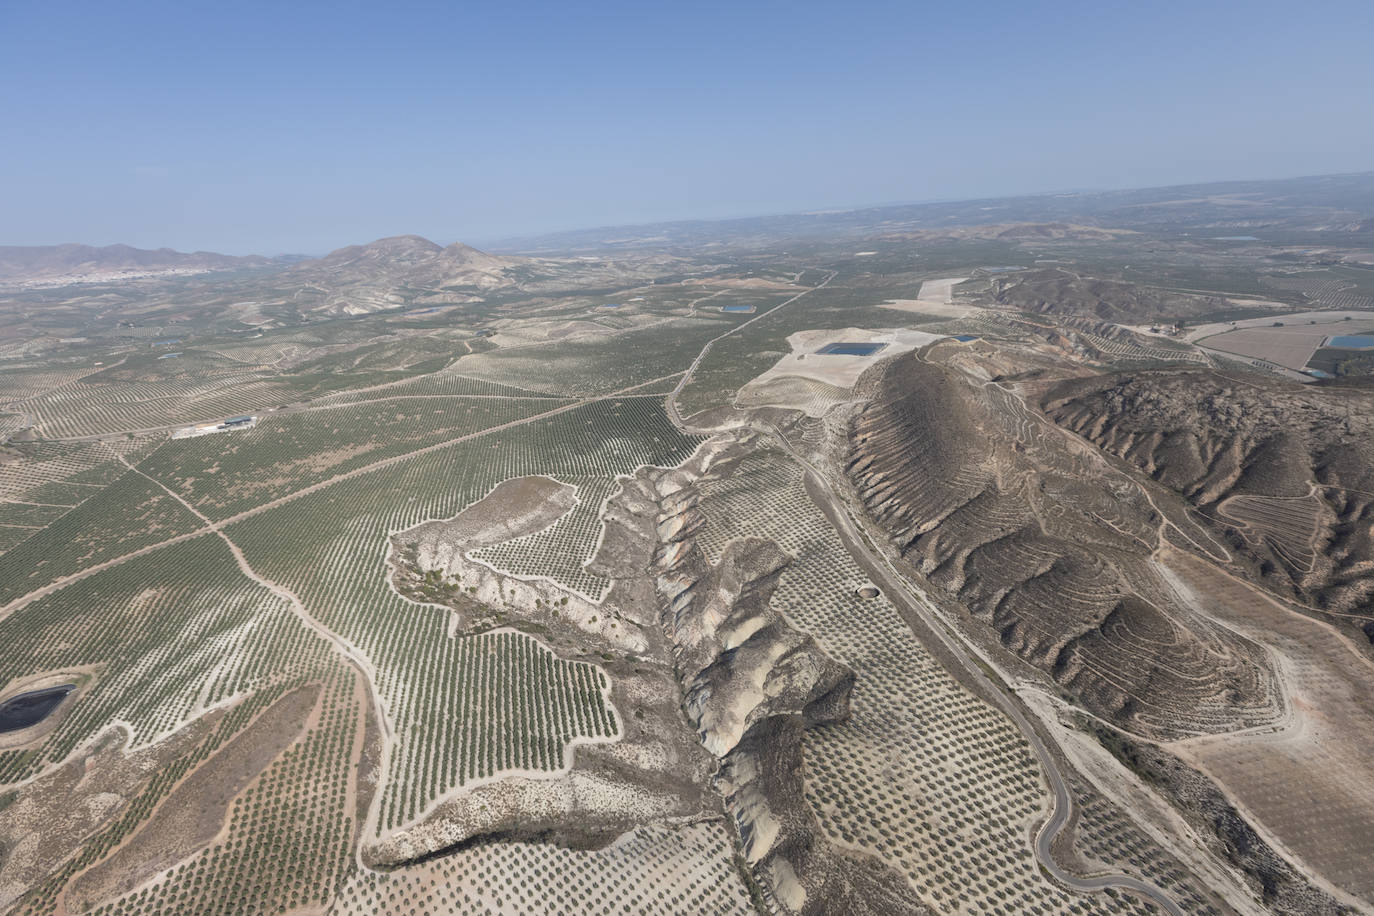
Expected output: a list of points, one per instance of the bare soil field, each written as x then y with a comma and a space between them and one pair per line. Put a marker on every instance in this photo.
513, 508
194, 812
935, 298
1296, 320
837, 369
1309, 782
1290, 347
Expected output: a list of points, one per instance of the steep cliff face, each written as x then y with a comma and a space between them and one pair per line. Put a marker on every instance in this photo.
752, 684
1049, 549
1286, 471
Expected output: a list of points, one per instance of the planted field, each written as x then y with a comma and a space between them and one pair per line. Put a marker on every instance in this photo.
515, 706
1108, 839
446, 382
561, 551
1137, 349
129, 514
652, 870
177, 635
18, 383
287, 838
223, 475
330, 546
49, 479
83, 408
736, 360
171, 633
598, 366
1295, 777
62, 473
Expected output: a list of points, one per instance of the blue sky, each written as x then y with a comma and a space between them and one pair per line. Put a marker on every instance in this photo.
299, 127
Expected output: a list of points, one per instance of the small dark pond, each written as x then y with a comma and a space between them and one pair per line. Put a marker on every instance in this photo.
25, 709
851, 349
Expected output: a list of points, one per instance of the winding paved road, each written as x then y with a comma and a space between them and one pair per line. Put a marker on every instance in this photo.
901, 591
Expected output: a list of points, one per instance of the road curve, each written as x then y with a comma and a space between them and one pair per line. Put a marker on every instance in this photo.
898, 589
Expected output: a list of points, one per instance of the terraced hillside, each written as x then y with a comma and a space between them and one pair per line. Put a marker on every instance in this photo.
1287, 472
1048, 549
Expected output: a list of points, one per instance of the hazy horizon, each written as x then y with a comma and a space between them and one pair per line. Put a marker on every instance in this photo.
304, 129
503, 241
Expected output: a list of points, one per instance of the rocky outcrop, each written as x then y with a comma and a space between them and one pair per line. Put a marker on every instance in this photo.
654, 771
752, 684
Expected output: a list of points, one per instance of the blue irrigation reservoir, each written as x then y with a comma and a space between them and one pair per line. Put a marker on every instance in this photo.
841, 348
1352, 342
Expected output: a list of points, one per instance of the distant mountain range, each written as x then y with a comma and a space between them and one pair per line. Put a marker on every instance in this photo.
403, 271
409, 271
77, 263
1323, 203
388, 273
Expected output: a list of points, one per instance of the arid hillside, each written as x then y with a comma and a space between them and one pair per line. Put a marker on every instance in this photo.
1061, 292
409, 271
1048, 548
1287, 471
396, 271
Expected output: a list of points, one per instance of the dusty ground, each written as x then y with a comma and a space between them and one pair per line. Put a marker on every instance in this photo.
1309, 784
836, 369
81, 796
814, 398
1288, 347
741, 283
1334, 321
935, 298
193, 814
514, 508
